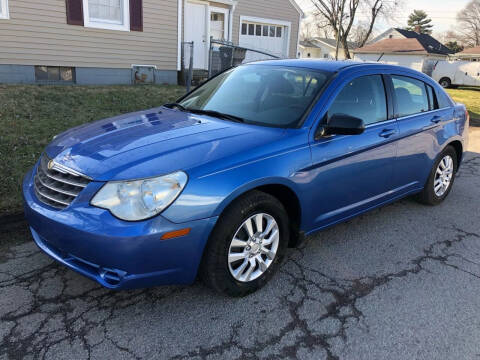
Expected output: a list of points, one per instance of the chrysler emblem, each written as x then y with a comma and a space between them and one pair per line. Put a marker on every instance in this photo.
50, 165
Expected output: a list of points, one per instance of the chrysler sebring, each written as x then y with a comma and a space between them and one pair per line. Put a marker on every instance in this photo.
221, 182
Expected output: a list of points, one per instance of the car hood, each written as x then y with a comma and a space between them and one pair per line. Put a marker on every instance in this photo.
154, 142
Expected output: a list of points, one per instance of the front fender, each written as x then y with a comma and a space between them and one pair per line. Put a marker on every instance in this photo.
254, 185
207, 196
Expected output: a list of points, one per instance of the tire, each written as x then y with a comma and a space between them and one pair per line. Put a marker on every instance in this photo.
445, 82
429, 195
217, 268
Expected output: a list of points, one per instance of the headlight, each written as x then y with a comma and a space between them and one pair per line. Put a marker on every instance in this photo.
140, 199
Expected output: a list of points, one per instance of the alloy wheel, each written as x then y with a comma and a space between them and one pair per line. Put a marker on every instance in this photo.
443, 176
253, 247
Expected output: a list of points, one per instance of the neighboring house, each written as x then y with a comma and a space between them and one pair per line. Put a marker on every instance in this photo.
470, 54
322, 48
98, 41
405, 48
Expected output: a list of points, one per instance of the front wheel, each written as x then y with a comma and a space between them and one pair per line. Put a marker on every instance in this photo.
441, 178
247, 245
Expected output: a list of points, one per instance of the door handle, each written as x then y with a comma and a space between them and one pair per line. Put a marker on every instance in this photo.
436, 119
386, 133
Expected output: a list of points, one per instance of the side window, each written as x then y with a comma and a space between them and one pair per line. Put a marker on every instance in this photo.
411, 95
443, 100
363, 98
432, 99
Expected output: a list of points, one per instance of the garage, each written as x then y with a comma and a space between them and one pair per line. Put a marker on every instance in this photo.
268, 35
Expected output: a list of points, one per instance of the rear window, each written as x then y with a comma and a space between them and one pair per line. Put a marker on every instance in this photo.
432, 99
443, 100
411, 95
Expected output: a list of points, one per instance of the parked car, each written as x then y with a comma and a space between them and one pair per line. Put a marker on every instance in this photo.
220, 183
457, 73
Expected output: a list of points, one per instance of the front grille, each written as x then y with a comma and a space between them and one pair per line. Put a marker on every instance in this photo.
57, 186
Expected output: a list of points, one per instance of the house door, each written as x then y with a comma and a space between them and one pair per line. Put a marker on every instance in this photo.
196, 31
218, 23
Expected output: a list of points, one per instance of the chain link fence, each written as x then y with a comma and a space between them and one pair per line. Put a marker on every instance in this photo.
224, 55
186, 74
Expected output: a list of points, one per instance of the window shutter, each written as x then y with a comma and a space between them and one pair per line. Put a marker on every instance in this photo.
74, 12
136, 15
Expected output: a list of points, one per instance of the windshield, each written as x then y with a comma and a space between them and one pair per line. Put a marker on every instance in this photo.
260, 94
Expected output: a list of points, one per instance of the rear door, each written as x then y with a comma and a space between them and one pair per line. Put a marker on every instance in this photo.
353, 172
420, 120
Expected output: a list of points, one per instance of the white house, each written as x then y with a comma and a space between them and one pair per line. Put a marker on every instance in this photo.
322, 48
403, 47
470, 54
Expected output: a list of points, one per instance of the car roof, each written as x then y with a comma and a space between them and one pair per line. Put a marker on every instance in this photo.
328, 65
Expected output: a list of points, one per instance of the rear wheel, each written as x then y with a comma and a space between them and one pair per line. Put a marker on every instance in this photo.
247, 245
445, 82
441, 178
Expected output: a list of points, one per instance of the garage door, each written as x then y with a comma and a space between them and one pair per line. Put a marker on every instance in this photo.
270, 37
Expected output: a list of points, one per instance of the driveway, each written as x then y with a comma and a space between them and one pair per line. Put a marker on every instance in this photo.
401, 282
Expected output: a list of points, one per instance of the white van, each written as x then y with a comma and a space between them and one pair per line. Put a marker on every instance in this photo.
455, 73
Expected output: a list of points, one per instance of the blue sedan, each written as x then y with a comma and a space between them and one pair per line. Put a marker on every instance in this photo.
220, 183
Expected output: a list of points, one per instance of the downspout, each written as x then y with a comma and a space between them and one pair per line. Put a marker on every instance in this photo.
230, 22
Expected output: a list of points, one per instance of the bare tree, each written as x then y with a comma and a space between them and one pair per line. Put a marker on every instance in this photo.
469, 23
340, 17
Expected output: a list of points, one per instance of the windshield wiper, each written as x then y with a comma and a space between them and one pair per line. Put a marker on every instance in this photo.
216, 114
213, 113
175, 105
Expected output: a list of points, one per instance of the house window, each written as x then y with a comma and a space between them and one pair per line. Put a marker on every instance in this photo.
107, 14
258, 30
54, 74
244, 28
4, 9
279, 31
265, 30
272, 31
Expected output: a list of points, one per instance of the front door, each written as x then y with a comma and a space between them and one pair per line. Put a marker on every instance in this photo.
196, 31
218, 23
352, 173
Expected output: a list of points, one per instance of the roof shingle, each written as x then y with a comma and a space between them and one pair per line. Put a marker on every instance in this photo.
471, 51
394, 46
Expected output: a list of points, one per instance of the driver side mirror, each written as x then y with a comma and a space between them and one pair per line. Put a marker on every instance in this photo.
341, 124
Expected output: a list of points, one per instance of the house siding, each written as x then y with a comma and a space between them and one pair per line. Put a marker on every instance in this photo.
37, 33
272, 9
318, 53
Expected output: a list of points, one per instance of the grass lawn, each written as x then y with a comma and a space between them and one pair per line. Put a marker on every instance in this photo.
31, 115
469, 96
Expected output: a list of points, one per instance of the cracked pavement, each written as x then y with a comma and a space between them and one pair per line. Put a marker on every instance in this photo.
400, 282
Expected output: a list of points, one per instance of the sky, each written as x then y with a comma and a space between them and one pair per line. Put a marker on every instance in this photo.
442, 13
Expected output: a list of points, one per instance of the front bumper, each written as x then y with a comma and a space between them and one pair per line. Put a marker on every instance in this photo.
115, 253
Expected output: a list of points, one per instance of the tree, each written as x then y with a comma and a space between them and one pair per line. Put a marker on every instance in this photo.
420, 22
340, 15
469, 23
454, 46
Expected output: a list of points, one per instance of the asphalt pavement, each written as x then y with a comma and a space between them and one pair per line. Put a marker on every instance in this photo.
401, 282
